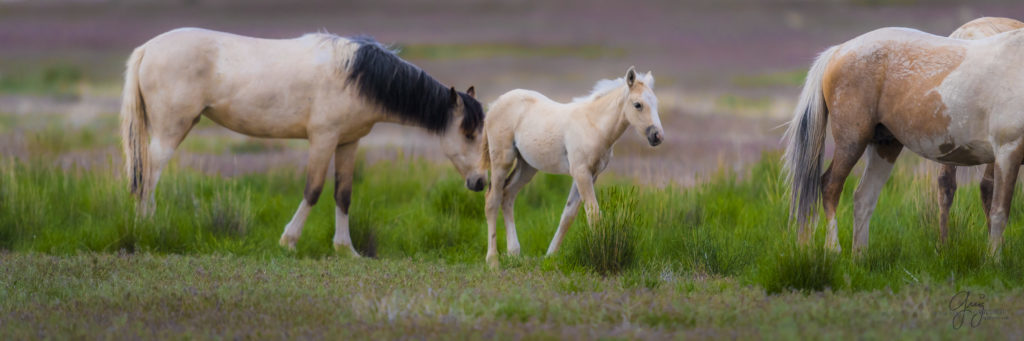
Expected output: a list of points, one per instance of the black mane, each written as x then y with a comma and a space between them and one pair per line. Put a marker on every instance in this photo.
404, 90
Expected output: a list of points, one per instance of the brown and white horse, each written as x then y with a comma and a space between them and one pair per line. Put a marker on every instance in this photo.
526, 131
321, 87
975, 29
948, 100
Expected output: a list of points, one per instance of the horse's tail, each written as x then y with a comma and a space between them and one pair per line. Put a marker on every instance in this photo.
134, 130
485, 151
806, 135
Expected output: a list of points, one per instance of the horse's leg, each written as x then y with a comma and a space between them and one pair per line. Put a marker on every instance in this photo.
344, 168
848, 151
320, 152
572, 208
168, 127
520, 177
1008, 159
986, 188
947, 188
502, 157
584, 180
880, 159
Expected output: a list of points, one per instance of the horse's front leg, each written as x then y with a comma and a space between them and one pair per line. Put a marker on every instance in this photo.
320, 152
344, 169
584, 180
1008, 159
572, 208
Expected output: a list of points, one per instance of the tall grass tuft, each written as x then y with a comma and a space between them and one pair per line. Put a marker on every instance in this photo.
609, 246
797, 268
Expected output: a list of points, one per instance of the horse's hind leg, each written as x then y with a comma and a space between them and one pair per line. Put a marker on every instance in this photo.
321, 149
1008, 159
986, 188
849, 147
519, 178
168, 127
880, 159
947, 189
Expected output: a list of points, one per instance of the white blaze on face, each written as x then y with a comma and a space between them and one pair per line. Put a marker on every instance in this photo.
652, 103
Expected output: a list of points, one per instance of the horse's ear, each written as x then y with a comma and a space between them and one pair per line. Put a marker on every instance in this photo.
649, 79
454, 95
631, 76
471, 91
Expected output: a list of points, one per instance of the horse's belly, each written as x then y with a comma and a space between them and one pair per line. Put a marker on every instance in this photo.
964, 153
547, 156
259, 124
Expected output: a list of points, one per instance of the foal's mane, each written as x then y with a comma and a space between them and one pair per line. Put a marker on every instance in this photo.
600, 88
401, 88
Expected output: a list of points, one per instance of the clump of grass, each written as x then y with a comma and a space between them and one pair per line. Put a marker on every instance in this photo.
797, 268
609, 246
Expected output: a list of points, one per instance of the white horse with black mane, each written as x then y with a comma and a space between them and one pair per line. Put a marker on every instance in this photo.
526, 131
321, 87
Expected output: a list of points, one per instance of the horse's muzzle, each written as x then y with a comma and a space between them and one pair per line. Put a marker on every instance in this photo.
654, 136
475, 183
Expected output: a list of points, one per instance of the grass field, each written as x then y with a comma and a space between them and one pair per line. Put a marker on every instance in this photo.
717, 260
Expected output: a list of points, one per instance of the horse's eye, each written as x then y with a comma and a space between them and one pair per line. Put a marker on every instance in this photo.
470, 136
638, 106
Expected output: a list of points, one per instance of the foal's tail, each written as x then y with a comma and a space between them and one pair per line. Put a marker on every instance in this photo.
806, 135
485, 152
134, 130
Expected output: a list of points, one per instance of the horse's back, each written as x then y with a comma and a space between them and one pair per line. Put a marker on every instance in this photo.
985, 27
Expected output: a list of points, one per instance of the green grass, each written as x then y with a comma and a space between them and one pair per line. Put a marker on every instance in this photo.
716, 259
146, 296
778, 78
730, 226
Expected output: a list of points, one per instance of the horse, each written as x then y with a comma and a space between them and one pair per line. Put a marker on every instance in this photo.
526, 131
948, 100
328, 89
975, 29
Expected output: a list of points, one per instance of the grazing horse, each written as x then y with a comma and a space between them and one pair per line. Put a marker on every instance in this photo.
948, 100
975, 29
321, 87
525, 132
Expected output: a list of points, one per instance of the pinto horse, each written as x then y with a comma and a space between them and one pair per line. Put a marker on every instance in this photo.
526, 131
949, 100
975, 29
321, 87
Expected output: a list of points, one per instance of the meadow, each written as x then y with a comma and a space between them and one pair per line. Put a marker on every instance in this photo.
718, 259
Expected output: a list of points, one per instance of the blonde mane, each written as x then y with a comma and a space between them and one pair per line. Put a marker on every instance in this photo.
600, 88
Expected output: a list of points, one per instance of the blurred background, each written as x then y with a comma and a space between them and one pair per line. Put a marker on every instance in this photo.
728, 72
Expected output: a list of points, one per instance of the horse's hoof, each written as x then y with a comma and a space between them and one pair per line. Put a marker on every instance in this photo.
343, 250
492, 261
288, 242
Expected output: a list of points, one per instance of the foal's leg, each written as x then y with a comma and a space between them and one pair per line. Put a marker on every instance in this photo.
344, 167
1008, 159
320, 151
947, 188
520, 177
501, 161
572, 208
880, 159
584, 180
848, 150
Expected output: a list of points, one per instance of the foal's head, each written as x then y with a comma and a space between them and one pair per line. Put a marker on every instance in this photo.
462, 138
641, 106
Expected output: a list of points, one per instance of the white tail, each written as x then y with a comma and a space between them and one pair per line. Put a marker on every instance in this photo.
134, 129
806, 134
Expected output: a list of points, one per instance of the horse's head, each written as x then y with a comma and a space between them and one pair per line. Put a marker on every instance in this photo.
461, 140
641, 107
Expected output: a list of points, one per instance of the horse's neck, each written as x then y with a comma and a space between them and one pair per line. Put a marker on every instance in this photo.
605, 112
